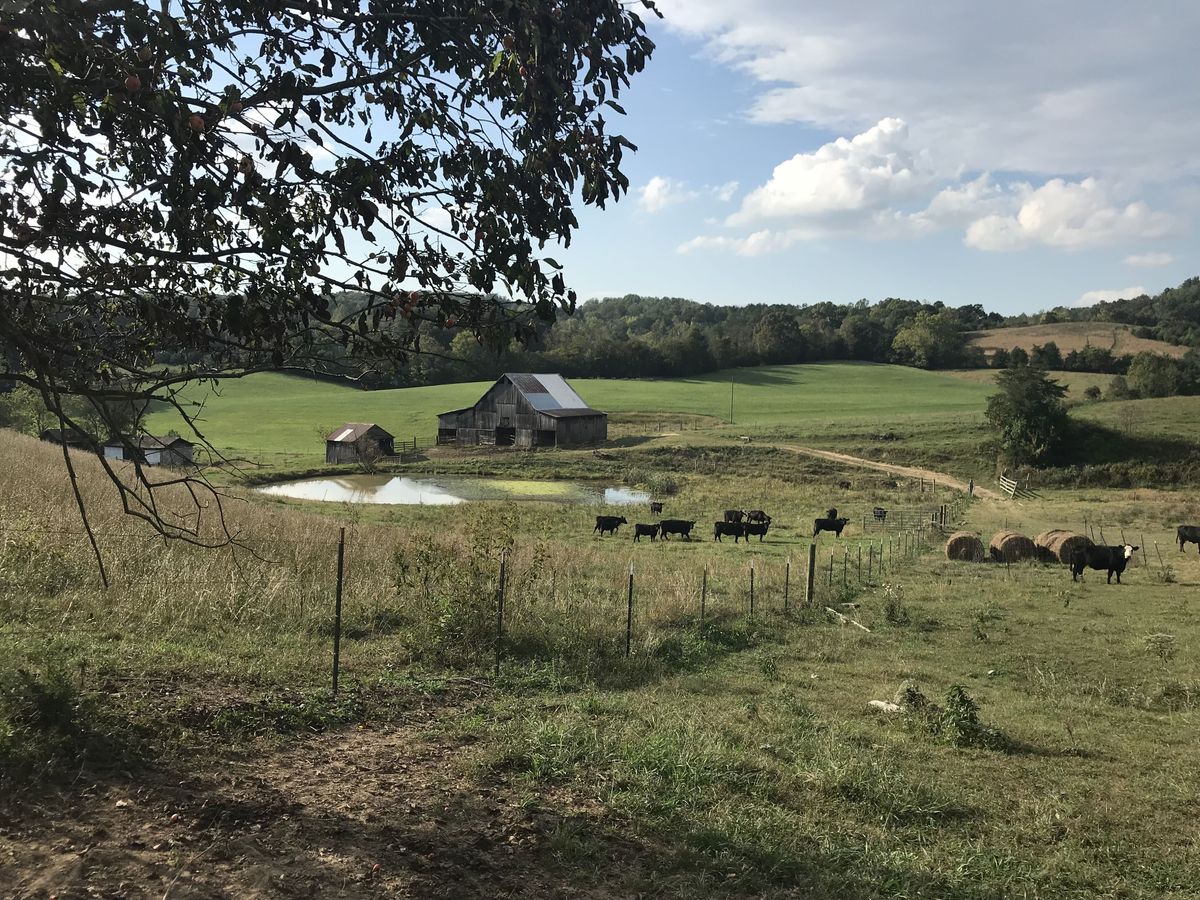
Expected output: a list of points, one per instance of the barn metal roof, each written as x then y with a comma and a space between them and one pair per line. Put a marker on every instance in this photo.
547, 393
351, 432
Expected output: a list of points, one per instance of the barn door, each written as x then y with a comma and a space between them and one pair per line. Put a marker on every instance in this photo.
507, 412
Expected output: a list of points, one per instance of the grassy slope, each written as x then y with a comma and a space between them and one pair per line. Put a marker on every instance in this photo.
279, 416
751, 770
1075, 382
1073, 336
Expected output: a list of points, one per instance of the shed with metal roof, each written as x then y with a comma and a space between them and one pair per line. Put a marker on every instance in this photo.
358, 442
526, 410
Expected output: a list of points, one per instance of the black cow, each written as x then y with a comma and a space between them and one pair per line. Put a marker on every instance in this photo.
734, 515
844, 485
1113, 559
639, 529
759, 528
834, 525
1186, 534
608, 523
656, 507
831, 513
880, 514
757, 515
676, 526
736, 530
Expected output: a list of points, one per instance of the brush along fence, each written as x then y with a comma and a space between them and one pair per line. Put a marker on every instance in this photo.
458, 600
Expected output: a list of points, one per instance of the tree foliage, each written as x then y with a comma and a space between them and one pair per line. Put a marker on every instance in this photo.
200, 178
1028, 415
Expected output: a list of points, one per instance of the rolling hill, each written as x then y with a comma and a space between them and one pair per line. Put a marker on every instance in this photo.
1073, 336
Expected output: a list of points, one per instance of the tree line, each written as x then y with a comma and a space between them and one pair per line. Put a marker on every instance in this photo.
651, 337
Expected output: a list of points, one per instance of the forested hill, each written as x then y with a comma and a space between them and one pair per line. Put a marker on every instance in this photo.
636, 336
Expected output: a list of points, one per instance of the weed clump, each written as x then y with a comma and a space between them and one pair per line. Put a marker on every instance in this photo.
957, 722
894, 610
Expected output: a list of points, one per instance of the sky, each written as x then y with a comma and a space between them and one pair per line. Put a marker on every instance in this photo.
1021, 155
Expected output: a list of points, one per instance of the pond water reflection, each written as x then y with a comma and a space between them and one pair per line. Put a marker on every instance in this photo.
447, 490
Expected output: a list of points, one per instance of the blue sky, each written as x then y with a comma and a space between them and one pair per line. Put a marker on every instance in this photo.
1022, 156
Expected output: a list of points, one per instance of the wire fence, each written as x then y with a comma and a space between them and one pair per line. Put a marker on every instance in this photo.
474, 600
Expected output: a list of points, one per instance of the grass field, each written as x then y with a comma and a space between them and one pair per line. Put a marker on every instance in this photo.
1075, 382
281, 418
1070, 336
196, 749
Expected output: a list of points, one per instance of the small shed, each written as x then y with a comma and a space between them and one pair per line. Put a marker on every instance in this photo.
525, 410
72, 437
153, 450
358, 442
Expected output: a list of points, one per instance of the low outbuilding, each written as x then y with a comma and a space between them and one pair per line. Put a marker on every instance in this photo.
152, 450
72, 437
358, 442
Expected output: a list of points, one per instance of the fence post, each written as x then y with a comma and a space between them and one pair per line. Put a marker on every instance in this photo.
845, 565
337, 609
752, 589
812, 571
500, 610
830, 579
870, 559
703, 591
860, 563
1145, 562
787, 579
629, 615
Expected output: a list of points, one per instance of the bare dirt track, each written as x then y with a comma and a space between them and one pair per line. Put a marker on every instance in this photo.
359, 812
907, 471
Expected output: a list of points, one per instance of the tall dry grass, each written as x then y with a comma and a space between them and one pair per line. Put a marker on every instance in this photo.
426, 583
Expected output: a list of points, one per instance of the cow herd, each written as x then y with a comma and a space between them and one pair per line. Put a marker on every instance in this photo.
736, 523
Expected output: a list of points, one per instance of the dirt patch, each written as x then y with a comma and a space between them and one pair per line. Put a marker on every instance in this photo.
907, 471
361, 812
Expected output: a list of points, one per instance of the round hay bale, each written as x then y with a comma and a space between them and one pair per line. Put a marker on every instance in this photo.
1009, 546
1043, 542
964, 546
1066, 546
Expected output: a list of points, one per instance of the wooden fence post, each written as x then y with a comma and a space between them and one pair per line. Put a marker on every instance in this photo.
787, 579
337, 610
809, 578
629, 615
752, 589
500, 610
703, 591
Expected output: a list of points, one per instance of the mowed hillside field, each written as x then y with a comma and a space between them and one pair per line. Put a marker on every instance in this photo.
1070, 336
282, 417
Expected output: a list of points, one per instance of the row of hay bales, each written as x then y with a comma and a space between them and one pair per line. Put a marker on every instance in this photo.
1055, 545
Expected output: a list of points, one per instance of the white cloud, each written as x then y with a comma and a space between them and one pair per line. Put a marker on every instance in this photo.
1149, 260
1081, 86
1069, 215
1092, 297
724, 192
660, 192
866, 172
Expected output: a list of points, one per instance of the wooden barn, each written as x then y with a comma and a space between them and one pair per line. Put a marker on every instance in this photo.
169, 450
72, 437
358, 441
523, 410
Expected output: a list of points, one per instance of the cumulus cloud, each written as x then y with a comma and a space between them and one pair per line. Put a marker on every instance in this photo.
1027, 86
1093, 297
1149, 260
866, 172
724, 192
660, 192
1069, 215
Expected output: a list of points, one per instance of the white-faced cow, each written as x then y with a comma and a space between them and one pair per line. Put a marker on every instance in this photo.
1102, 558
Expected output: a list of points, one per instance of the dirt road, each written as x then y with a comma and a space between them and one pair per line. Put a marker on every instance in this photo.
907, 471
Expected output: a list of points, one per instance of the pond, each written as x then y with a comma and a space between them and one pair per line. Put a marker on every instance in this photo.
447, 490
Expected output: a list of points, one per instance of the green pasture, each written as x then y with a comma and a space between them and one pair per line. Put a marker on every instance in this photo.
280, 418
